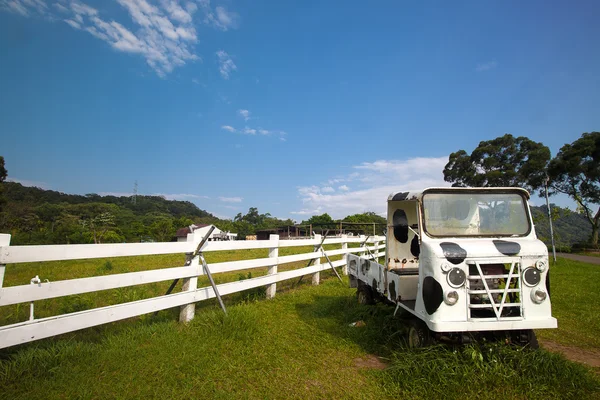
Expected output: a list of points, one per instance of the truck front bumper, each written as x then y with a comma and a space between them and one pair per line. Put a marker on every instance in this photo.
495, 325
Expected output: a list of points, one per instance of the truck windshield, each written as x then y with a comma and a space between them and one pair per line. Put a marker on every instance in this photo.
475, 214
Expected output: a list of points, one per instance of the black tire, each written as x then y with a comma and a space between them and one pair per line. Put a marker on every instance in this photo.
532, 341
526, 338
418, 334
365, 295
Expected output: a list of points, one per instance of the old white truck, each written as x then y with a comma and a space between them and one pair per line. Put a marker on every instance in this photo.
460, 263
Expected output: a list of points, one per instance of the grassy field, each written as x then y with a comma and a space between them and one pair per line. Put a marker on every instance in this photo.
573, 290
590, 254
298, 345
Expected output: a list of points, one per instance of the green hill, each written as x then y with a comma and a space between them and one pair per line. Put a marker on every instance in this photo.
36, 216
33, 196
569, 227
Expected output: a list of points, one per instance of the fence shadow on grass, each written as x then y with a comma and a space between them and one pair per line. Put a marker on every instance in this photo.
373, 328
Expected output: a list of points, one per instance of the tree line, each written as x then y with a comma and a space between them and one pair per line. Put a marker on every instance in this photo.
37, 216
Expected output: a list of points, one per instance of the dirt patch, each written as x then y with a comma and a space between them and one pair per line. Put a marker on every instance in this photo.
370, 361
589, 357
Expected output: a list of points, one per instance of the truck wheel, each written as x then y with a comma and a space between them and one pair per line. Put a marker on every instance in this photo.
526, 338
418, 334
365, 296
532, 341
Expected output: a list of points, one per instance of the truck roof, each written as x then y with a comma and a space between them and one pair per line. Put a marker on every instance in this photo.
418, 195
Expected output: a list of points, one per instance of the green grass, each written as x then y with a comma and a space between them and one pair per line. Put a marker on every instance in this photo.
298, 345
574, 289
590, 254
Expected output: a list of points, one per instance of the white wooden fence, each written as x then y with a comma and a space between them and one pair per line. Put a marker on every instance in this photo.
36, 329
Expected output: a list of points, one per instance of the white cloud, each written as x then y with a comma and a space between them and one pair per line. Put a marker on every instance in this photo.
305, 211
177, 12
168, 196
61, 7
25, 8
228, 128
115, 194
231, 199
327, 189
81, 8
220, 216
180, 196
74, 24
304, 190
16, 7
486, 66
220, 18
226, 64
374, 181
164, 31
252, 131
225, 18
196, 81
244, 114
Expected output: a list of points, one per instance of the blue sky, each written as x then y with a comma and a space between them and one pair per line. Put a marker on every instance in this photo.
292, 107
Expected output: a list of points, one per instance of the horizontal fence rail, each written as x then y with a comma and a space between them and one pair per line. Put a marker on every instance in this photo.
36, 329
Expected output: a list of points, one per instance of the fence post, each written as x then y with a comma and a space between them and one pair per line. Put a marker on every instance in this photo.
273, 253
4, 242
188, 311
344, 246
362, 239
376, 251
317, 275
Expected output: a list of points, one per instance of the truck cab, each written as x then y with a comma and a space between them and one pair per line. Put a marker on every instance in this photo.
461, 261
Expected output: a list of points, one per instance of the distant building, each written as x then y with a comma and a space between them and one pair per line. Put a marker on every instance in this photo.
284, 232
202, 230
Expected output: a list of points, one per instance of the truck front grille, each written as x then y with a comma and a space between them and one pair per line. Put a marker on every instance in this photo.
494, 292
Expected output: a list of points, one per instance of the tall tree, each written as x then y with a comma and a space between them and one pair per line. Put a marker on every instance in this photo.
575, 171
162, 229
3, 175
365, 218
323, 221
98, 218
504, 161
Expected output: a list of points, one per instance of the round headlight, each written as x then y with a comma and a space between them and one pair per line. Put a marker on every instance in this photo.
531, 276
446, 267
456, 277
451, 297
541, 265
538, 295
